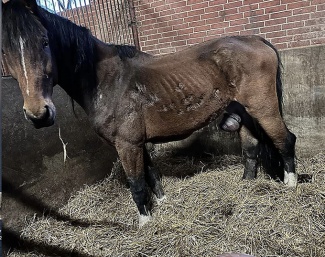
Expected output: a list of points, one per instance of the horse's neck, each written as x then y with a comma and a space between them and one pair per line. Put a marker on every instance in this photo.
76, 70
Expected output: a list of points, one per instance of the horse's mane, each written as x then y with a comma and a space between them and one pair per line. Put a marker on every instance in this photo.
126, 51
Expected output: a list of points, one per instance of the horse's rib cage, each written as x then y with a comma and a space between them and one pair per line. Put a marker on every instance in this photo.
112, 21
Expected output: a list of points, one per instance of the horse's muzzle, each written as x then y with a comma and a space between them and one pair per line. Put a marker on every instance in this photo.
43, 119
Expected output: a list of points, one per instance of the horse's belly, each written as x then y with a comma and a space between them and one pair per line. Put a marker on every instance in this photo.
169, 121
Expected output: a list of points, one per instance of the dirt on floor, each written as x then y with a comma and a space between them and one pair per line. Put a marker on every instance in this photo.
209, 210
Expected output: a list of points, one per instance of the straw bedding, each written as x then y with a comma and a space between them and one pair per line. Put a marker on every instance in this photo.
209, 211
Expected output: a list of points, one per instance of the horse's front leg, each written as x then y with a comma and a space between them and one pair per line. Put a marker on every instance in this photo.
132, 159
153, 178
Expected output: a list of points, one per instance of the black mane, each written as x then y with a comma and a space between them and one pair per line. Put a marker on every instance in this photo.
126, 51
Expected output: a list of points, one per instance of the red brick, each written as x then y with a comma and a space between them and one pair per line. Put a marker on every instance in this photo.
254, 13
186, 31
299, 43
281, 14
195, 40
320, 7
177, 4
251, 25
180, 26
318, 41
308, 9
214, 9
218, 25
255, 31
298, 31
263, 18
179, 43
292, 25
203, 5
192, 18
299, 17
235, 28
271, 28
170, 33
200, 34
233, 5
275, 34
239, 22
219, 2
202, 28
299, 4
195, 12
275, 21
234, 16
275, 9
273, 3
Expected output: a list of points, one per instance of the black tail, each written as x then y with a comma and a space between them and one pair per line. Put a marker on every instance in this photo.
278, 76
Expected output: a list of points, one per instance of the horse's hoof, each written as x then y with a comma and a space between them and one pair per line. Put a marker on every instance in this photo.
232, 123
144, 219
161, 200
290, 179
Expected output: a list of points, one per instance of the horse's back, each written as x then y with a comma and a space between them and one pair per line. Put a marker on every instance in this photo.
183, 91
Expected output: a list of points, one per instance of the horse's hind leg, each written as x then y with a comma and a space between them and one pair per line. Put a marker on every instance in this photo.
153, 178
269, 118
250, 147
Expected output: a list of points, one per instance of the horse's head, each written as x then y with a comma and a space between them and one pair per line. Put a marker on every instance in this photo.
27, 52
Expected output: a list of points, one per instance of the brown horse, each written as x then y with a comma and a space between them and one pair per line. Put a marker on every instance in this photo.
132, 98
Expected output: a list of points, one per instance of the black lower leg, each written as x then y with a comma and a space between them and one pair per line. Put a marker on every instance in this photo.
250, 158
153, 180
140, 194
288, 155
250, 170
152, 177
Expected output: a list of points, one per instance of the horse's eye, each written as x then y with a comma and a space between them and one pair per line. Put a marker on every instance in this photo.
45, 43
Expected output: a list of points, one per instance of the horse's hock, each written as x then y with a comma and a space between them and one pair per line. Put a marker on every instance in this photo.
35, 177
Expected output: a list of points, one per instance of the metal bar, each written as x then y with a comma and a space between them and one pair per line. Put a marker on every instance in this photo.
117, 31
100, 24
76, 10
106, 23
111, 21
134, 24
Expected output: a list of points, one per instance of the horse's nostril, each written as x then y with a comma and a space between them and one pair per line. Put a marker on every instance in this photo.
47, 113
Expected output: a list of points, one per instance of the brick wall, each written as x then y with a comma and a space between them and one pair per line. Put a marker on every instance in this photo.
166, 26
108, 20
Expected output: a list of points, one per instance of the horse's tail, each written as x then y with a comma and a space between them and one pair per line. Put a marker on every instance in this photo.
278, 76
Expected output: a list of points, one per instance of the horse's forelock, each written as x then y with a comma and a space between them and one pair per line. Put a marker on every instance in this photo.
20, 22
